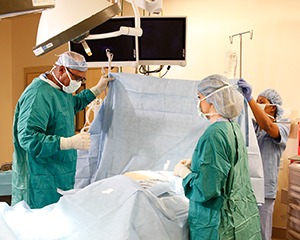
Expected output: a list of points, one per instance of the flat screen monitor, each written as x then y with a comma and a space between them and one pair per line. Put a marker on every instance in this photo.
123, 48
163, 43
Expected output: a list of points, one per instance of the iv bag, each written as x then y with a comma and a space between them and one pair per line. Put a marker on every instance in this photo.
230, 63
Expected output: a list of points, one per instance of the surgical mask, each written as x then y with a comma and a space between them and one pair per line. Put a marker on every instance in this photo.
271, 116
204, 115
73, 86
263, 106
201, 114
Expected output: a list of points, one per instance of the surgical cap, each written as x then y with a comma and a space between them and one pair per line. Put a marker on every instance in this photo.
227, 101
273, 96
72, 60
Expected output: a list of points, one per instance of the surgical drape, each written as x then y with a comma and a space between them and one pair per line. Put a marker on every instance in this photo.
151, 123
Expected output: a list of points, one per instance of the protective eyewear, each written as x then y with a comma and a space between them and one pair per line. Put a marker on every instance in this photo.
78, 79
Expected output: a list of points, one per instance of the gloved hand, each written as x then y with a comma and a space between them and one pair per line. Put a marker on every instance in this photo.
246, 88
187, 162
102, 84
80, 141
181, 170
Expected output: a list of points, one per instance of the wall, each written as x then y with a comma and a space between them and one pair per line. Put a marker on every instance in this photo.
17, 37
5, 91
23, 40
270, 59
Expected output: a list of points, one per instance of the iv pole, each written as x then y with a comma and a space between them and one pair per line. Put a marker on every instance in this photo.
241, 45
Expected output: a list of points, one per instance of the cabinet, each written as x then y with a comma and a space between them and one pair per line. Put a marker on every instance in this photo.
293, 208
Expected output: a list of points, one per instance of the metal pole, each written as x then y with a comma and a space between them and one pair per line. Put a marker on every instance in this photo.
241, 54
241, 64
241, 46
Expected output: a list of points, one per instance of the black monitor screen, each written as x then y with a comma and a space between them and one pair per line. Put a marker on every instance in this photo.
163, 41
163, 38
123, 47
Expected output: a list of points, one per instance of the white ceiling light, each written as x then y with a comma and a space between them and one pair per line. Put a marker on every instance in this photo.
14, 8
71, 20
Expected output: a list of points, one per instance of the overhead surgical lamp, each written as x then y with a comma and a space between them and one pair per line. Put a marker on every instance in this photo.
71, 20
14, 8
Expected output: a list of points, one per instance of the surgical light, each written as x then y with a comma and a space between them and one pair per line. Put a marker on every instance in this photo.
14, 8
71, 20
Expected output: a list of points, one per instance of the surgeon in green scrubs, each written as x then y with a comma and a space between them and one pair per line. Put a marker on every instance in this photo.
44, 139
216, 180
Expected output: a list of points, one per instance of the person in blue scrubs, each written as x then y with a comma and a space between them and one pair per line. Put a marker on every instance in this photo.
44, 139
272, 138
222, 204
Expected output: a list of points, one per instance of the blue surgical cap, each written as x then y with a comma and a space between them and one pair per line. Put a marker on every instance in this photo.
72, 60
273, 96
227, 101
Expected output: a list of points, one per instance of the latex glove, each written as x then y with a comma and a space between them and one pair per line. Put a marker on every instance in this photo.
102, 84
181, 170
187, 162
80, 141
246, 88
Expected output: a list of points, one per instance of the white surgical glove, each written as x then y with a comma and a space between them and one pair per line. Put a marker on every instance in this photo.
80, 141
181, 170
187, 162
102, 84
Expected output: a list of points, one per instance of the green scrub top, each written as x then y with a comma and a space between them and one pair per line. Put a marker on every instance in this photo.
44, 114
222, 202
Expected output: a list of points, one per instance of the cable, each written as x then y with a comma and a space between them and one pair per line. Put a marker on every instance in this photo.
168, 68
143, 70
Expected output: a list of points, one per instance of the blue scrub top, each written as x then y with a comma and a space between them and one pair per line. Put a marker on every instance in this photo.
271, 150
